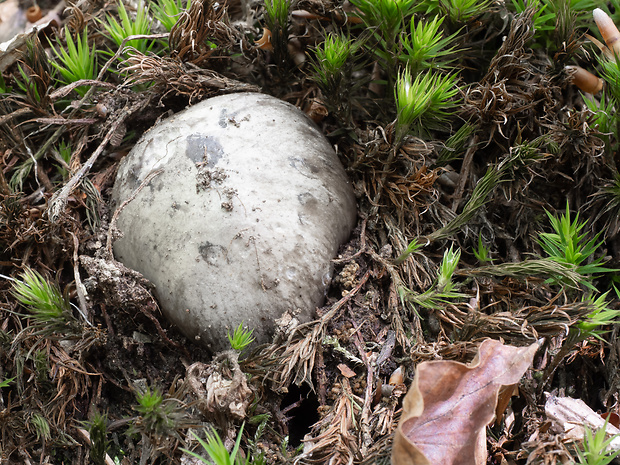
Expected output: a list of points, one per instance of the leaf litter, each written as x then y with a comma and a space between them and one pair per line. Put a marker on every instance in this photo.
523, 142
450, 404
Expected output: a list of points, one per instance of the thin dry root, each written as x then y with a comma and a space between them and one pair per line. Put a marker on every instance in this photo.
608, 29
585, 80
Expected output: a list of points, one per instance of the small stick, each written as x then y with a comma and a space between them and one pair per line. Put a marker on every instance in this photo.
86, 436
464, 175
66, 90
79, 287
59, 200
362, 245
368, 397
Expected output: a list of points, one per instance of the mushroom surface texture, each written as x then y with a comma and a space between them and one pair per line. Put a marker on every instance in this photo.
246, 206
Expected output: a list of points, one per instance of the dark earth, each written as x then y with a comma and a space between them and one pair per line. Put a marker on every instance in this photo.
519, 141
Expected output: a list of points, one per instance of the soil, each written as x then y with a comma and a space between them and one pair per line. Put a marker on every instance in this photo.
324, 392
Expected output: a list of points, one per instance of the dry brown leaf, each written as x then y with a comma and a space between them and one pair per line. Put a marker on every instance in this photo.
503, 399
570, 418
449, 405
346, 371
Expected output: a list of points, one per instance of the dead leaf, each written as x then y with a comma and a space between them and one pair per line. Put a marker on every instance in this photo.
614, 418
346, 371
449, 405
503, 399
571, 416
264, 43
397, 377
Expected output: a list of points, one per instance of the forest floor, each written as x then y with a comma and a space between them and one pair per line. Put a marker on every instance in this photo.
449, 249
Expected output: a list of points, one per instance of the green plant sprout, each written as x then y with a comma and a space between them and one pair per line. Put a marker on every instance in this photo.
388, 16
41, 427
77, 61
331, 56
277, 17
332, 72
62, 154
6, 383
97, 428
262, 420
542, 268
48, 310
4, 88
457, 11
611, 74
386, 20
141, 25
595, 449
158, 415
444, 290
413, 246
28, 84
464, 11
482, 252
277, 14
425, 47
605, 110
569, 248
167, 11
240, 338
34, 77
479, 197
41, 365
216, 450
605, 118
601, 315
455, 145
424, 103
446, 270
284, 448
